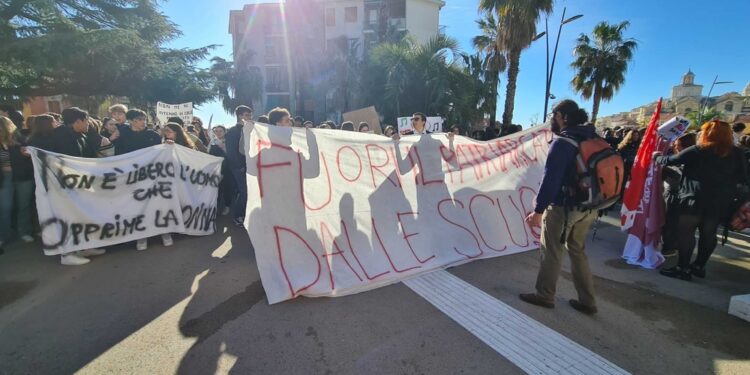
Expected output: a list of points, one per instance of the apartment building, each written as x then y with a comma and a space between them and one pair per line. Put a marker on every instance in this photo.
289, 43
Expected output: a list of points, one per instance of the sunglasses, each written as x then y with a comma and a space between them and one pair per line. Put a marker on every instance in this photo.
416, 119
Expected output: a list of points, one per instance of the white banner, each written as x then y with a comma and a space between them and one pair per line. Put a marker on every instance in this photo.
434, 124
89, 203
333, 213
184, 111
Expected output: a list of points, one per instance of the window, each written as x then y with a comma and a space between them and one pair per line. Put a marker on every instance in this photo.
372, 17
729, 107
276, 79
688, 110
350, 14
330, 17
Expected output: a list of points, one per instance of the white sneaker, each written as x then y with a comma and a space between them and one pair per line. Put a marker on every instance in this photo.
27, 238
141, 244
73, 259
225, 211
166, 239
91, 252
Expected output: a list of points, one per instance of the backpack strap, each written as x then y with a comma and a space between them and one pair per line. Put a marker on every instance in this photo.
576, 144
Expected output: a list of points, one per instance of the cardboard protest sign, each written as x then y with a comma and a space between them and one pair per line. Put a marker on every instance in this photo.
184, 111
332, 213
368, 115
88, 203
434, 124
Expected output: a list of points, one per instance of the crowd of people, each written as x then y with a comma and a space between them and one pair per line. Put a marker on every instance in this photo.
75, 133
705, 175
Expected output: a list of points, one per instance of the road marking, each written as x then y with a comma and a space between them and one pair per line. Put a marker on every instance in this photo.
530, 345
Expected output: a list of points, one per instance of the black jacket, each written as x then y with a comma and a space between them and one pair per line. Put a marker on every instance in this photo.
130, 141
709, 182
23, 168
67, 141
235, 156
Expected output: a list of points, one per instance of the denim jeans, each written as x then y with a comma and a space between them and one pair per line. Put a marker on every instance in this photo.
6, 206
24, 192
240, 202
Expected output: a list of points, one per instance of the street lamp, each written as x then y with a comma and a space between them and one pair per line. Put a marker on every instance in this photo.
550, 69
701, 106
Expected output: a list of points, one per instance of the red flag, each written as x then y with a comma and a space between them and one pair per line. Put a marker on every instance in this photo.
642, 245
635, 186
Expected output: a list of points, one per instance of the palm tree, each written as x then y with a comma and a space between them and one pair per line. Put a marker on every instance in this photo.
487, 45
236, 85
602, 63
517, 28
418, 78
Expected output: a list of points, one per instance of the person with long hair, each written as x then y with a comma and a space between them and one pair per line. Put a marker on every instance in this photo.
42, 129
713, 170
559, 217
173, 133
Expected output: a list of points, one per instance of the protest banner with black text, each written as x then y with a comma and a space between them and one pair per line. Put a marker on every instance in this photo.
332, 213
89, 203
184, 111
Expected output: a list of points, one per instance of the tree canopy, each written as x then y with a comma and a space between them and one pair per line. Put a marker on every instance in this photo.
97, 47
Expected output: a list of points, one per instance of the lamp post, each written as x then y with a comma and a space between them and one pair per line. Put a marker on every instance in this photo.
701, 106
551, 68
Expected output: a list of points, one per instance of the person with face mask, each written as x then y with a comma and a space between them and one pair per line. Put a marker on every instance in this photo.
560, 220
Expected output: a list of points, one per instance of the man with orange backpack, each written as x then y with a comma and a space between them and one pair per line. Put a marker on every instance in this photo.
582, 175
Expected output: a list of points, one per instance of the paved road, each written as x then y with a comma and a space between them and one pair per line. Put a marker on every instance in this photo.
199, 308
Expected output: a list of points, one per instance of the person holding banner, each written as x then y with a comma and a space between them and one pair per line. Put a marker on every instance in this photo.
135, 136
564, 226
74, 138
714, 173
235, 157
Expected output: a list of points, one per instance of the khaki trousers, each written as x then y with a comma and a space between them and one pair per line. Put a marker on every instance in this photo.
578, 224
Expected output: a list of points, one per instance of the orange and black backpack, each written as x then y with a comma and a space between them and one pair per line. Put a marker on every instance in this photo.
600, 172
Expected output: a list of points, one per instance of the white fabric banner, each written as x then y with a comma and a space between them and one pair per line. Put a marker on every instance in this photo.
184, 111
88, 203
333, 213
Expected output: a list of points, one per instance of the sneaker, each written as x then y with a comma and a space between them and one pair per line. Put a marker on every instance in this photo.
166, 239
27, 238
588, 310
225, 211
677, 273
239, 222
73, 259
141, 244
91, 252
534, 299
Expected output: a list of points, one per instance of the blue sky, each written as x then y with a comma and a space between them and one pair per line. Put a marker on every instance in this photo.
708, 37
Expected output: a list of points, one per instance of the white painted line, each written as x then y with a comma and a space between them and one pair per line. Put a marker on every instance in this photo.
530, 345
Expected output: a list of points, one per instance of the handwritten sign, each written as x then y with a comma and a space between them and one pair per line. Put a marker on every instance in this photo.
89, 203
184, 111
434, 124
334, 213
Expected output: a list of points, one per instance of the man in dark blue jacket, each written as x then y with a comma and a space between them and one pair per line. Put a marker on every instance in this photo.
564, 226
234, 144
